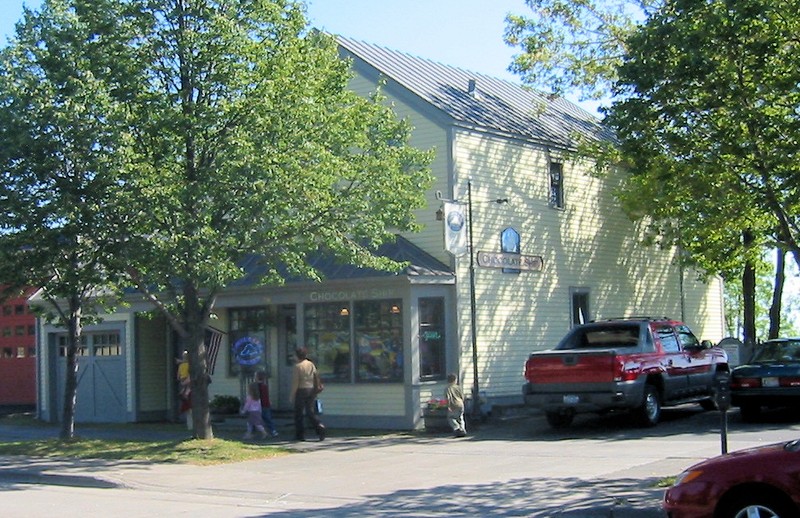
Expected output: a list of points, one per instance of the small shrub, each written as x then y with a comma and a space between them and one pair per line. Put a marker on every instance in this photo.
225, 405
437, 405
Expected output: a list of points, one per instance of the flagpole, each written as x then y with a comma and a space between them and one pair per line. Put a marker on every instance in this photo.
441, 215
476, 400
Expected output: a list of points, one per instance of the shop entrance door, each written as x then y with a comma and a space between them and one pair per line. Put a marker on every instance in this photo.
287, 343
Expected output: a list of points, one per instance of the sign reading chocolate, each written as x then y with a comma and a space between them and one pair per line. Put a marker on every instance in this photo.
533, 263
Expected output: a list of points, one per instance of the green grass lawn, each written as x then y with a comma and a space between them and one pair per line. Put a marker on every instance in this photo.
189, 451
223, 449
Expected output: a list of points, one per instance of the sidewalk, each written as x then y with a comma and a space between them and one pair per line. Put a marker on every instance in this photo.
391, 474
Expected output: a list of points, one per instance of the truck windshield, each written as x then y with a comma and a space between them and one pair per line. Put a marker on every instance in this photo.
601, 337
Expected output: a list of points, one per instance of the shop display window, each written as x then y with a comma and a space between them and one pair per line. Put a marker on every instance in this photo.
327, 331
248, 340
362, 342
378, 331
431, 338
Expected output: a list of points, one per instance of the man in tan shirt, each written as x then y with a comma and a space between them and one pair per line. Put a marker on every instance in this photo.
305, 383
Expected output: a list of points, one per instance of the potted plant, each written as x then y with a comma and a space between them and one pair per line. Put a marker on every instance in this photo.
435, 415
221, 406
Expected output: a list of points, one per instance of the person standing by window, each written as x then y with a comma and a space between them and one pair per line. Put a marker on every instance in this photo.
305, 379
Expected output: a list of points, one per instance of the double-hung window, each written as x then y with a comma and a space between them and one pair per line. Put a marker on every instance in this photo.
557, 185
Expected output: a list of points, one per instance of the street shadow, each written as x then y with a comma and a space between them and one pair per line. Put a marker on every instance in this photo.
681, 420
772, 417
18, 474
675, 421
567, 497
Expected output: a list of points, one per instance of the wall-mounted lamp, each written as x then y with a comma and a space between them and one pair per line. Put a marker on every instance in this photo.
344, 312
395, 309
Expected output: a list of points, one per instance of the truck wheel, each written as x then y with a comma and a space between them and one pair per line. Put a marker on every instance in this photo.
649, 412
559, 420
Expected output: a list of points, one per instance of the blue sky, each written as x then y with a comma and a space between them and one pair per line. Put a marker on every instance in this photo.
464, 33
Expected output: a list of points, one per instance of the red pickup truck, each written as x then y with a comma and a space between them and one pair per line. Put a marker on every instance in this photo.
632, 364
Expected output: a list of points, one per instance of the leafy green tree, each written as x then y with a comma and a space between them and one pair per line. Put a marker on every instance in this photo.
574, 45
705, 96
175, 140
766, 291
708, 95
59, 130
247, 142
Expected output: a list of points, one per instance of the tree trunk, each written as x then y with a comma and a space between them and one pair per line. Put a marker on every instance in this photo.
195, 322
777, 295
749, 292
71, 379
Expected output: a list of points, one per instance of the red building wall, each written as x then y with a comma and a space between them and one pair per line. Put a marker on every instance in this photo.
17, 352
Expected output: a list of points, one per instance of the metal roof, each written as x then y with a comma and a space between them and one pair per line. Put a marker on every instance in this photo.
492, 104
420, 264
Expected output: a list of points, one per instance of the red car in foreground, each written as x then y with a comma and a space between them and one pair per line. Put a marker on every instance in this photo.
760, 482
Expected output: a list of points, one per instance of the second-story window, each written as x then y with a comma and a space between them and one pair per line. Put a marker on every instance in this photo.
579, 305
556, 185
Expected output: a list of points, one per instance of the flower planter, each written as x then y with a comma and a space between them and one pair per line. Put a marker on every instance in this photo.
436, 421
435, 415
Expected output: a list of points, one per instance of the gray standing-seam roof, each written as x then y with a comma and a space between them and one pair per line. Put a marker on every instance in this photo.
420, 264
496, 104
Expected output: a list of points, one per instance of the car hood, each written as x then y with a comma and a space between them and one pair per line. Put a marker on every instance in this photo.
744, 457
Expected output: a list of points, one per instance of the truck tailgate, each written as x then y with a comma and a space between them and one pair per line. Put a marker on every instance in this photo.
571, 367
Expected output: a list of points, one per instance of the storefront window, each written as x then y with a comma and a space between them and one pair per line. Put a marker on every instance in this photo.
431, 338
376, 337
379, 340
248, 340
328, 339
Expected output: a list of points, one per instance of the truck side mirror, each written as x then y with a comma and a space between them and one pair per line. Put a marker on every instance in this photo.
706, 344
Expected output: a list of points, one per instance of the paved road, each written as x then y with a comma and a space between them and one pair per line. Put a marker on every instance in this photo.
519, 467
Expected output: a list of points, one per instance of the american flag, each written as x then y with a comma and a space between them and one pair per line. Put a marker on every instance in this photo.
213, 339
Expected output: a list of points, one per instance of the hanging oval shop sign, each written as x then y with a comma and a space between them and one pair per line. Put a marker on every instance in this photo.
247, 350
501, 260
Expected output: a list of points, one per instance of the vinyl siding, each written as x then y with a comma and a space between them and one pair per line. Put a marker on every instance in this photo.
426, 135
364, 399
153, 358
590, 243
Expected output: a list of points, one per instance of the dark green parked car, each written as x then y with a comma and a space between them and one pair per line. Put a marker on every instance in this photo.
770, 379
